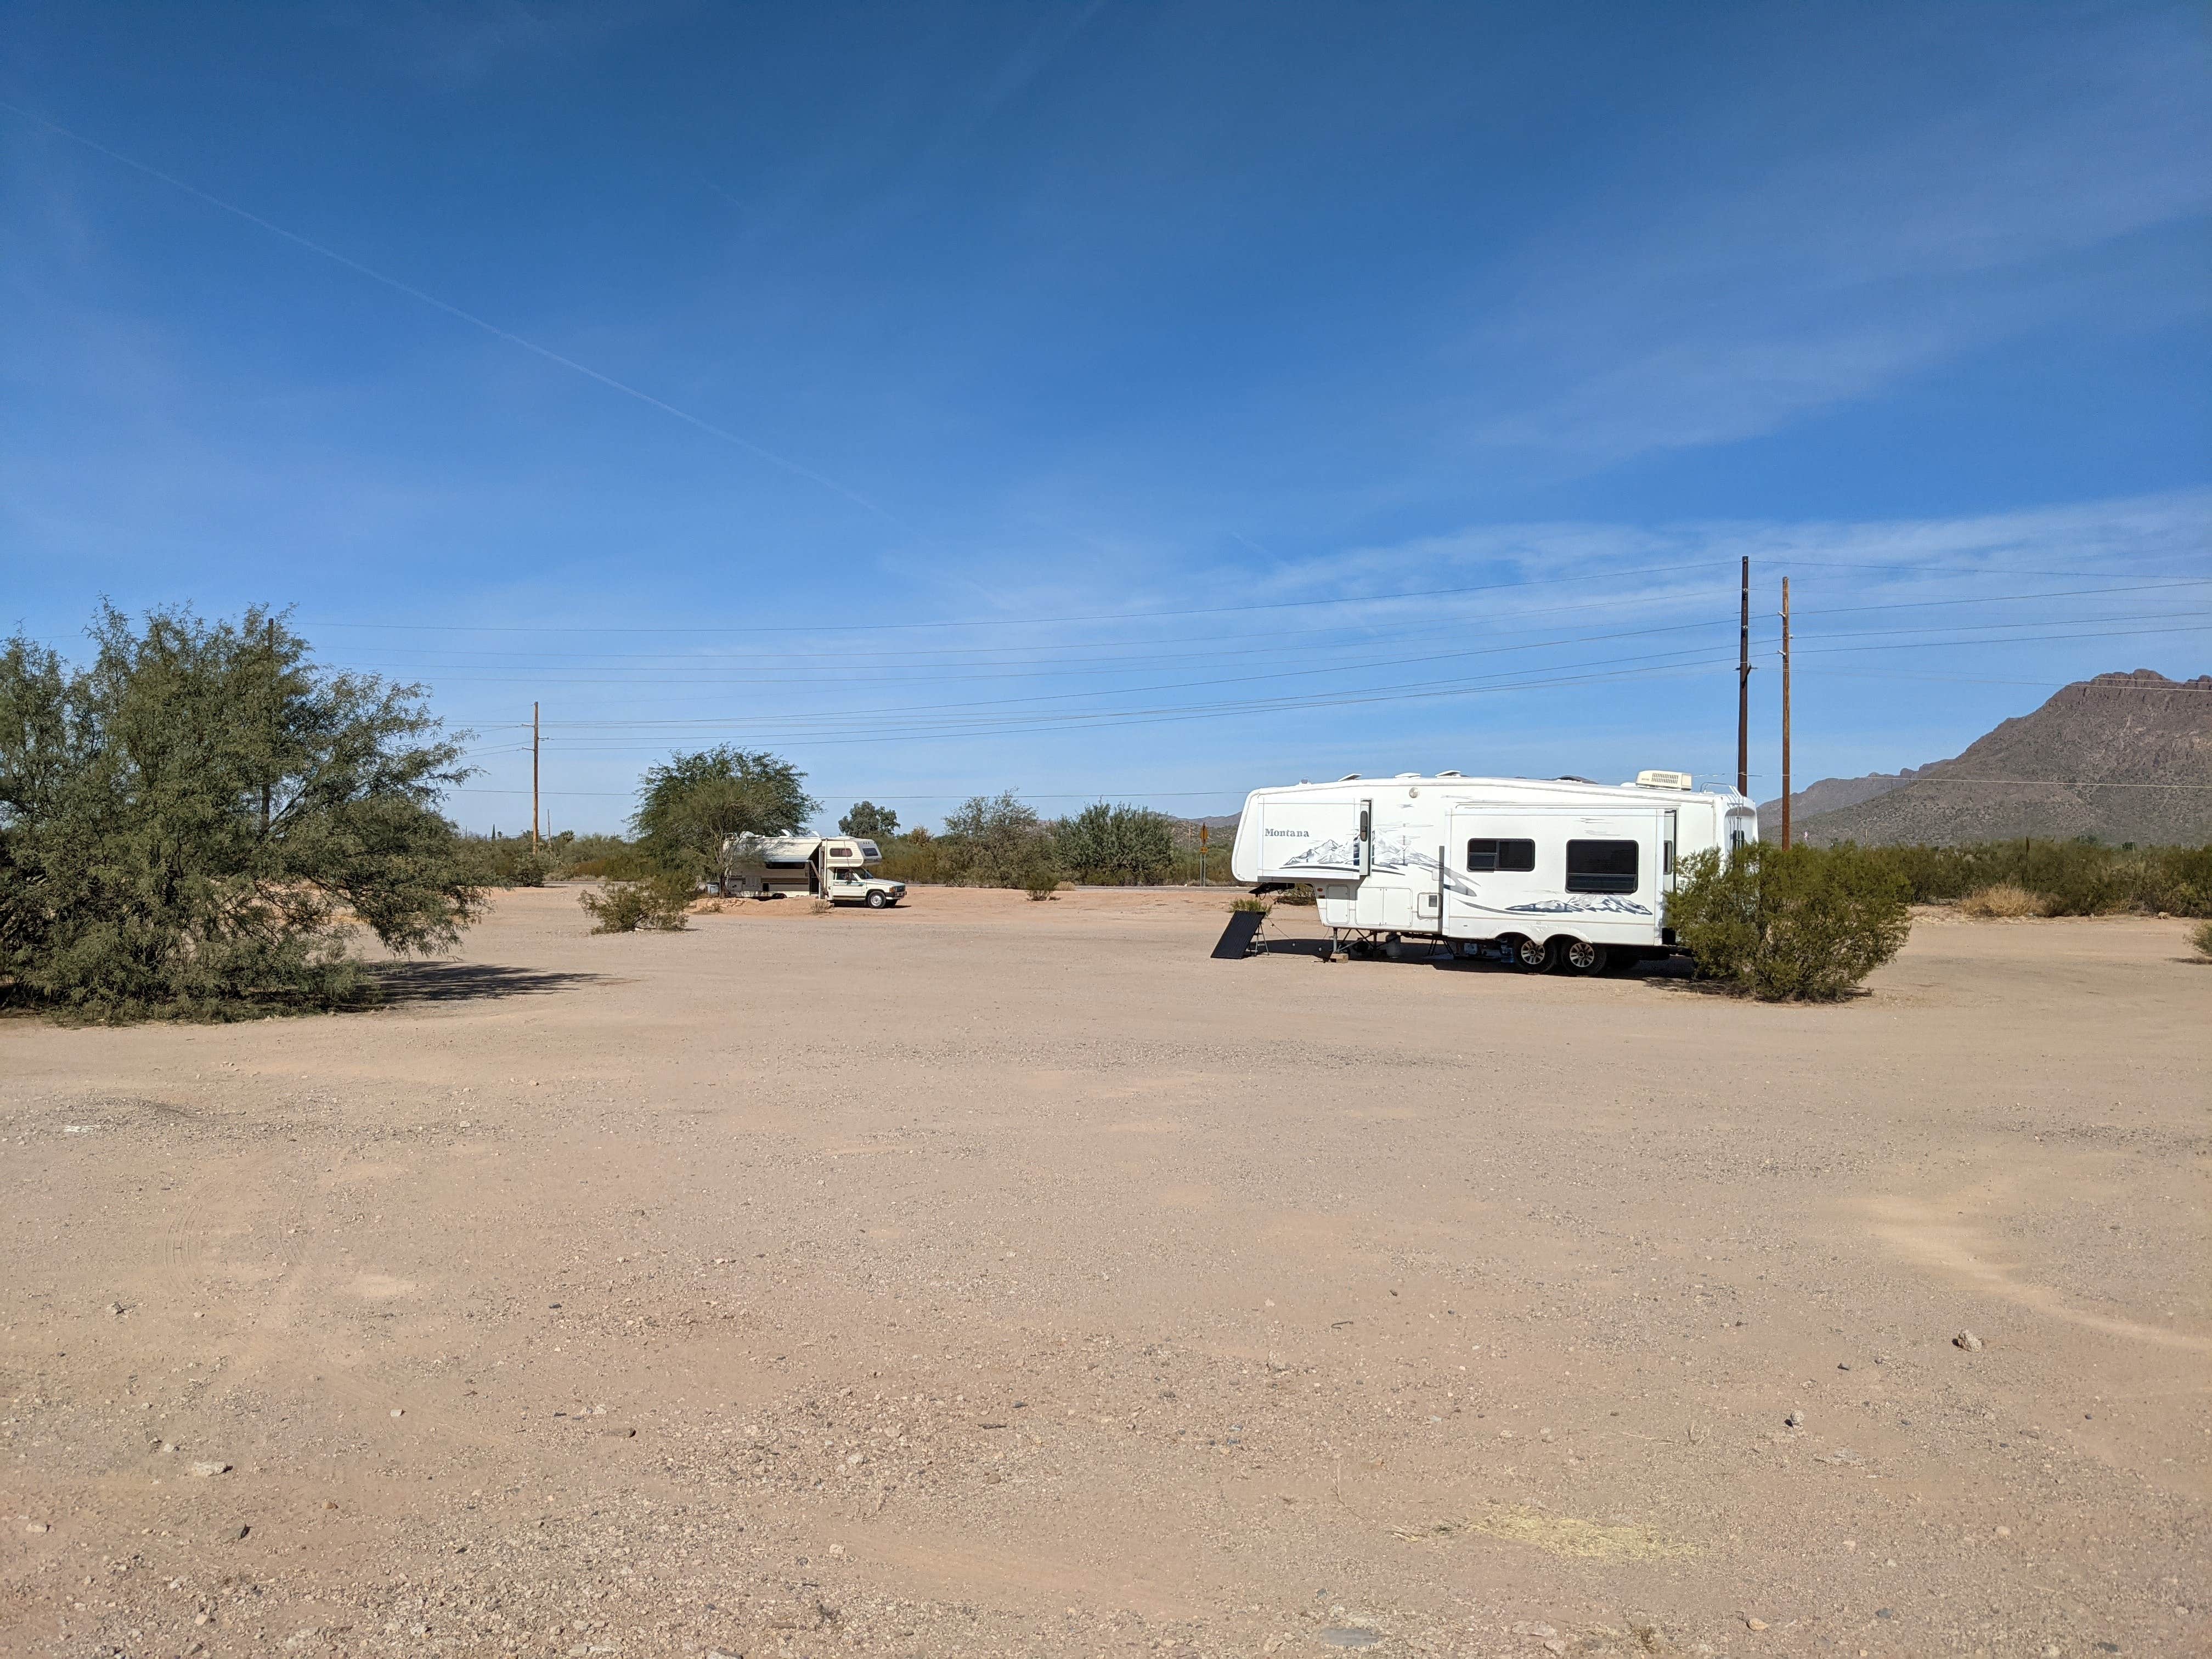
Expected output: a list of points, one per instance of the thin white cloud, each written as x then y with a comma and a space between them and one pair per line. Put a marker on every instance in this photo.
1885, 235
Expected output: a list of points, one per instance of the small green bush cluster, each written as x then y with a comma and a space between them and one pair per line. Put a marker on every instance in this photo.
1000, 841
993, 841
2067, 877
1131, 845
510, 861
656, 902
2201, 937
1790, 923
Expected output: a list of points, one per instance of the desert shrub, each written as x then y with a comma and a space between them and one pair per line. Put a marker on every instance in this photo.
2200, 937
192, 825
993, 841
1248, 903
2005, 900
913, 857
658, 902
2070, 878
687, 806
1790, 923
1040, 876
2178, 880
510, 861
1102, 843
869, 822
1299, 892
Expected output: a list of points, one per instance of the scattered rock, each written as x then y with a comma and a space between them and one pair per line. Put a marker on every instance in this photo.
38, 1526
397, 1412
1794, 1420
1754, 1624
207, 1467
1526, 1629
1843, 1364
1967, 1340
116, 1308
232, 1534
1349, 1636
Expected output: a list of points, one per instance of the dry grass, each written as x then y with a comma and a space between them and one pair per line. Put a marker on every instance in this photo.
2004, 899
820, 907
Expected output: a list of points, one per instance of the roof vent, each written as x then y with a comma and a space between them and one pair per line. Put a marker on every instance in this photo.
1409, 774
1349, 777
1451, 775
1665, 780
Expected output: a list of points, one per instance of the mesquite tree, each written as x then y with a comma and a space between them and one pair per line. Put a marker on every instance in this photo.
195, 822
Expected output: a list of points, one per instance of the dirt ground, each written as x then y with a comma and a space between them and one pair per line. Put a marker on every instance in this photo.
996, 1278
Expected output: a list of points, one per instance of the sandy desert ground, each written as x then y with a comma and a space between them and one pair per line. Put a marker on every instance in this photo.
992, 1277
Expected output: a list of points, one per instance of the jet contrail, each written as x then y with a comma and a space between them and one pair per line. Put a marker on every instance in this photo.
455, 311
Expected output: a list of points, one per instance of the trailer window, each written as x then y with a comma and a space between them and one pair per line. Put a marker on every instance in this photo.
1603, 867
1484, 854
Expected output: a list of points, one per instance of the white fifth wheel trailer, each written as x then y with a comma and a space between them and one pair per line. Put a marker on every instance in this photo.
1559, 873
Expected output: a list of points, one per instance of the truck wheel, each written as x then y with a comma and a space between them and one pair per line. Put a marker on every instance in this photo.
1529, 954
879, 900
1576, 955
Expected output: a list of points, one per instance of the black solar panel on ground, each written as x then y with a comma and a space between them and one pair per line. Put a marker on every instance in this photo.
1235, 941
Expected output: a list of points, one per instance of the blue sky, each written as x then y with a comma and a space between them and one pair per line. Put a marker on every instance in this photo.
1137, 400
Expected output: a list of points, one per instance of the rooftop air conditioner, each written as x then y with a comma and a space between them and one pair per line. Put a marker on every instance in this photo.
1665, 780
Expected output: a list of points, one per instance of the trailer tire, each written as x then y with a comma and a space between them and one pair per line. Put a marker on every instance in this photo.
1527, 954
1576, 955
879, 900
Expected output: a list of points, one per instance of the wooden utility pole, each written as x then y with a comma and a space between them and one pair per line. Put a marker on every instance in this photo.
1786, 711
1201, 855
533, 777
270, 635
1743, 688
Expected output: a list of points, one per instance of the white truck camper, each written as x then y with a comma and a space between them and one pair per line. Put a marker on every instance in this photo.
835, 868
1559, 873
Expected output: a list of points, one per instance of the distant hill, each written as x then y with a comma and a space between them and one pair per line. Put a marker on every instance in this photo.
2125, 757
1219, 832
1832, 795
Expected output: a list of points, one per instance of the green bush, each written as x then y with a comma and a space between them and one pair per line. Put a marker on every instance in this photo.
2201, 937
869, 822
2069, 877
588, 856
510, 861
1127, 844
658, 902
690, 803
192, 825
1790, 923
993, 841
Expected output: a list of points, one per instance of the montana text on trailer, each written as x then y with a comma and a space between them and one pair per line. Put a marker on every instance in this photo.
1556, 873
